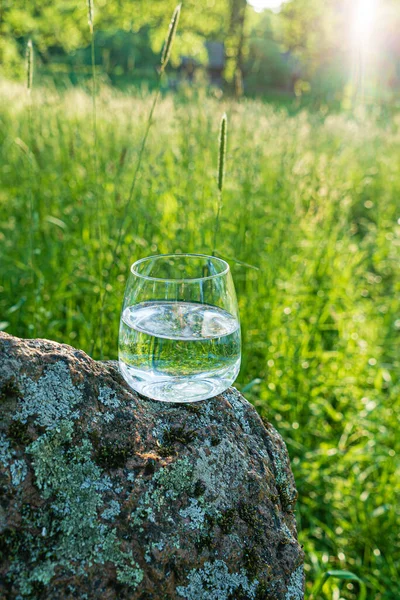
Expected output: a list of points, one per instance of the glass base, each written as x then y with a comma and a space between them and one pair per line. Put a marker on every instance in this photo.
179, 389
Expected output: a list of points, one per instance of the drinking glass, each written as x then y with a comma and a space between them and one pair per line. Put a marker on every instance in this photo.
179, 337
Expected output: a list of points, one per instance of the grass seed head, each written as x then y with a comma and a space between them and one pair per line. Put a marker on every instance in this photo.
170, 37
222, 151
29, 65
90, 15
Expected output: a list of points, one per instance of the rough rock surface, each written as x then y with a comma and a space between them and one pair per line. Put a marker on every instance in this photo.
105, 494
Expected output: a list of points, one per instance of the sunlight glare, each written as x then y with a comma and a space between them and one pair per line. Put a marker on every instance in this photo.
260, 5
364, 18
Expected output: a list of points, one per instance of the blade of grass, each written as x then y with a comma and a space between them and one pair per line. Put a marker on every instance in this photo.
339, 574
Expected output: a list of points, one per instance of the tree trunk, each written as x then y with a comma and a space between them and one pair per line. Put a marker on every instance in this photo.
237, 22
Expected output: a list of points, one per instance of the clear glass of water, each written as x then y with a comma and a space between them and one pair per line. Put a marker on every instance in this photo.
179, 337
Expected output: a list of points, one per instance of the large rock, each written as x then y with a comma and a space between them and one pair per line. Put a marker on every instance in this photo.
106, 494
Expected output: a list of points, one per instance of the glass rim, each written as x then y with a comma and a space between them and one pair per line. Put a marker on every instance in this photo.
134, 271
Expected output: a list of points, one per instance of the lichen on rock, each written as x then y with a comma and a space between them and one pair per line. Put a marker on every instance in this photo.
214, 582
51, 398
295, 590
105, 494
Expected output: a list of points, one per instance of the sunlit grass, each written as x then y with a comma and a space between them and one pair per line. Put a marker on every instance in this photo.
310, 200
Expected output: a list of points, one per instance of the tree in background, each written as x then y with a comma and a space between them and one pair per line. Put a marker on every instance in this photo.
235, 44
267, 65
315, 34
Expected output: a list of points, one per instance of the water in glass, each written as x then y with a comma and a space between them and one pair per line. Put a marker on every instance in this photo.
170, 349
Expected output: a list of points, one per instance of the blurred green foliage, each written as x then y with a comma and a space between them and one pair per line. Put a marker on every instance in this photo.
133, 29
311, 200
305, 48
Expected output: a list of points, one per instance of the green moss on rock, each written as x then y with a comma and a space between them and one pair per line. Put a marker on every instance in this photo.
227, 520
9, 390
18, 433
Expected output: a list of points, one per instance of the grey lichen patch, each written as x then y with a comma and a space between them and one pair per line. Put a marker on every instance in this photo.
17, 468
19, 471
287, 535
103, 485
238, 405
144, 510
296, 584
158, 431
222, 469
112, 511
52, 398
206, 412
214, 582
159, 546
5, 451
108, 417
195, 512
287, 492
108, 397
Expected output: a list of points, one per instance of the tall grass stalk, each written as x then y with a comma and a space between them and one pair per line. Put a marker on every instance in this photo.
93, 61
32, 227
98, 231
165, 56
221, 173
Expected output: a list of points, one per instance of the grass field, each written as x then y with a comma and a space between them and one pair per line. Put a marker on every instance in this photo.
311, 200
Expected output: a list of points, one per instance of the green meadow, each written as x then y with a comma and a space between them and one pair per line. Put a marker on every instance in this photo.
310, 225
